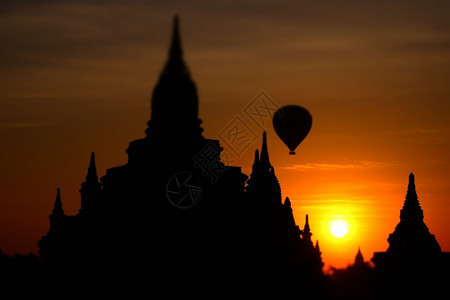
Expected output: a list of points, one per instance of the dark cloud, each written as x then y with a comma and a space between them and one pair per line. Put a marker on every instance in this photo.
39, 33
48, 35
424, 45
44, 36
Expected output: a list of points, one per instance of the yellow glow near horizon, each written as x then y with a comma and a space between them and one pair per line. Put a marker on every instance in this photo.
339, 228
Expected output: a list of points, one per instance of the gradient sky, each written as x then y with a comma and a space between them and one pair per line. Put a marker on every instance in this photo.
76, 77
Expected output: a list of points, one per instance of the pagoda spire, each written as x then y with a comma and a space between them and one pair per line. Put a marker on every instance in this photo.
411, 211
90, 188
411, 235
411, 183
175, 62
412, 194
290, 221
317, 247
264, 158
174, 107
92, 170
287, 202
256, 161
306, 228
307, 233
57, 207
359, 259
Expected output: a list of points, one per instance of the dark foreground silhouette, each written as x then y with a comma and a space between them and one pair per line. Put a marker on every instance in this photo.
175, 222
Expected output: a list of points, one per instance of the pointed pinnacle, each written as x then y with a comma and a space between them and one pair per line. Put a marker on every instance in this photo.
256, 156
411, 210
175, 51
57, 207
411, 193
287, 202
92, 170
306, 228
359, 258
92, 161
411, 183
264, 158
175, 64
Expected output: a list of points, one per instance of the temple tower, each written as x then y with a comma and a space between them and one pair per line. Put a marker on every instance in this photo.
174, 106
57, 213
411, 236
90, 190
263, 184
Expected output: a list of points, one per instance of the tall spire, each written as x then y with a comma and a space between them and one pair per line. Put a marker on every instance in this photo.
175, 62
256, 161
411, 184
306, 228
287, 202
317, 247
264, 158
92, 170
307, 234
359, 259
175, 52
411, 211
411, 235
90, 188
57, 207
175, 100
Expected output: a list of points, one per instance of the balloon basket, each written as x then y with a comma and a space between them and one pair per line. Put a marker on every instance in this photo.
291, 152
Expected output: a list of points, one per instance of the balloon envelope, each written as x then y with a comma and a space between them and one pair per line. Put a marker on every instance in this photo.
292, 123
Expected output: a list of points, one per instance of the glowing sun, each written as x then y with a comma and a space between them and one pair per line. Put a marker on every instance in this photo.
339, 228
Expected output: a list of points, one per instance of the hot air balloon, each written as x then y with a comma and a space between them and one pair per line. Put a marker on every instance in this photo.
292, 123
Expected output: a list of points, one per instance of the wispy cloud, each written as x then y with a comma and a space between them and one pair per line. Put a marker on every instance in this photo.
362, 164
421, 134
13, 125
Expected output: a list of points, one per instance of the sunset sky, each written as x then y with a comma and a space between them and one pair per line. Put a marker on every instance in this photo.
76, 77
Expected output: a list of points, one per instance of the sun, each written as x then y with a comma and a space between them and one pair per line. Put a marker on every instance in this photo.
339, 228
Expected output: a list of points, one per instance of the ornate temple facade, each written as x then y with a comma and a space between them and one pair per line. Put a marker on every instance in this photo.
174, 219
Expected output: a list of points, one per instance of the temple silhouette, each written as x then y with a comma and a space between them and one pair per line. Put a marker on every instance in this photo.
413, 265
356, 281
175, 221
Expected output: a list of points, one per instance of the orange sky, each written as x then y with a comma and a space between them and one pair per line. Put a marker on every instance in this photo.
77, 77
